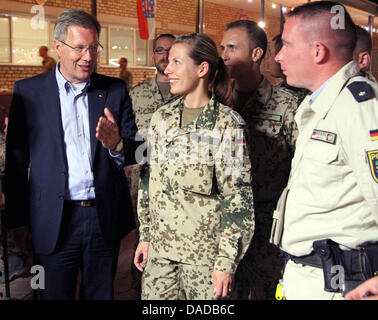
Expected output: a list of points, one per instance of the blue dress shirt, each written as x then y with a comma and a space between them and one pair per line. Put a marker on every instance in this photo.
75, 121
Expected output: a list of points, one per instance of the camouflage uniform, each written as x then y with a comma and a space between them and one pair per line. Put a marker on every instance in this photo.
146, 99
196, 213
300, 93
126, 76
269, 113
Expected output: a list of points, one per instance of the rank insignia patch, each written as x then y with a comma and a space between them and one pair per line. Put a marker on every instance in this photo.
373, 135
324, 136
373, 164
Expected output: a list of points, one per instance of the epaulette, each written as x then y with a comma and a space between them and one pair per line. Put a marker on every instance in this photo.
238, 119
361, 91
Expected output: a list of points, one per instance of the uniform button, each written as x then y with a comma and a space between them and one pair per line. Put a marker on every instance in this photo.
323, 252
161, 220
61, 196
166, 169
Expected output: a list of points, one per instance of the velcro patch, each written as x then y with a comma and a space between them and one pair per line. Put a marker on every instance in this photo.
324, 136
373, 163
238, 119
268, 116
361, 91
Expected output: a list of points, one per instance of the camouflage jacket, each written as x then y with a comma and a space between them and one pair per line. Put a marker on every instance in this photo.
269, 114
146, 99
299, 93
195, 203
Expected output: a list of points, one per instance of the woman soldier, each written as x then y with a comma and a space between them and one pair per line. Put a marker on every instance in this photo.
195, 203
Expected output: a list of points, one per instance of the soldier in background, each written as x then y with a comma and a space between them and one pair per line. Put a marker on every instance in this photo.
48, 63
124, 73
147, 97
269, 113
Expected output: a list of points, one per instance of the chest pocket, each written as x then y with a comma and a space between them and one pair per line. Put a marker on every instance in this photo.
189, 168
196, 178
266, 124
322, 153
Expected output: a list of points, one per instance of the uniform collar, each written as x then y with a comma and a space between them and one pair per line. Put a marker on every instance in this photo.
332, 88
206, 119
262, 94
264, 91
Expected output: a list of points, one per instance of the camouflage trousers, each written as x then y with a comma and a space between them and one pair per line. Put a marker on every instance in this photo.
260, 270
165, 279
132, 176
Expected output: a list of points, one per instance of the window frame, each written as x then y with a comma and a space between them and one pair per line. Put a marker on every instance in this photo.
50, 21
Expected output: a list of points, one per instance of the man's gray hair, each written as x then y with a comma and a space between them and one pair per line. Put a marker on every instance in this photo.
74, 17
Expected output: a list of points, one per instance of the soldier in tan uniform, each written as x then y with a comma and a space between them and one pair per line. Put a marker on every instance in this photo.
269, 113
48, 63
124, 73
329, 214
147, 97
195, 202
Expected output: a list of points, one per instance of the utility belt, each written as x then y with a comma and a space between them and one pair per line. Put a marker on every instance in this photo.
343, 270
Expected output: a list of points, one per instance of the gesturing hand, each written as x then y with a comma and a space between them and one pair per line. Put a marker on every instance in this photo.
107, 131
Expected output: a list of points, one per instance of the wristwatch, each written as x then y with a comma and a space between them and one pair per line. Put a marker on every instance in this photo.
119, 147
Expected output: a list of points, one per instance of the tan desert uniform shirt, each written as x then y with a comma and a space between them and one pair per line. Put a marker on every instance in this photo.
198, 210
334, 179
126, 76
146, 99
272, 132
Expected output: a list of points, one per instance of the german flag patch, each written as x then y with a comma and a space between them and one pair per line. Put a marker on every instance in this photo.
373, 135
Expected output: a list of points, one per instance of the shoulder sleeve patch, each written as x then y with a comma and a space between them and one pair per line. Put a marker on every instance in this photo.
238, 119
361, 91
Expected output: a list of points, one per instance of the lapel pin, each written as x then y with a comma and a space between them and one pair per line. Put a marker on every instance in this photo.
100, 95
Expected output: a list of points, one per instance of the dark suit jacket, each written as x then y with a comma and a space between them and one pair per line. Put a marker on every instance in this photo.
35, 138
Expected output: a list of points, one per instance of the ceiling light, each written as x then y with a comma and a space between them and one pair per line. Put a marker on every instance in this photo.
274, 6
261, 24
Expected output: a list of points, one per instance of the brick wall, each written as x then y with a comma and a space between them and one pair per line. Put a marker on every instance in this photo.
177, 17
10, 74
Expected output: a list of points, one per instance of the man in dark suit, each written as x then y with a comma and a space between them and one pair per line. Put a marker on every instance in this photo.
74, 129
